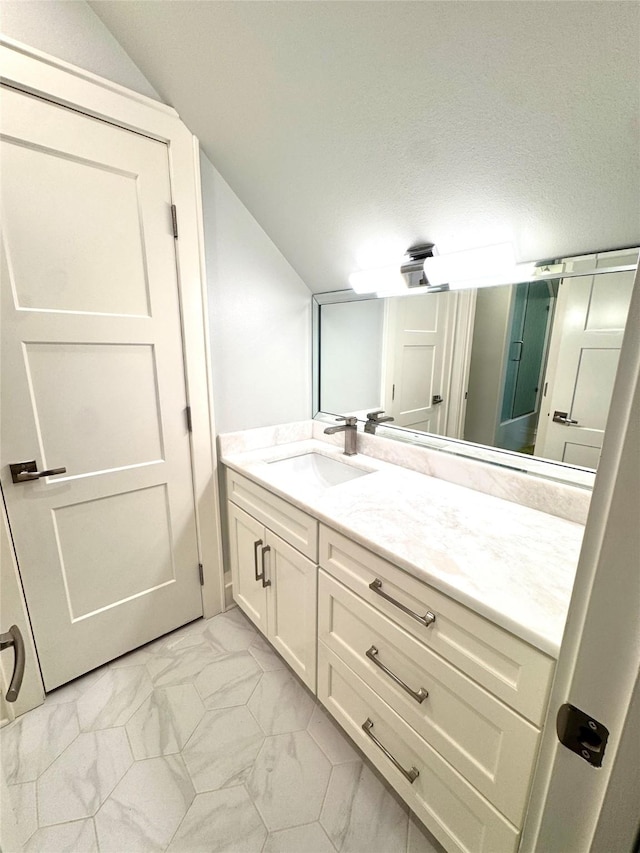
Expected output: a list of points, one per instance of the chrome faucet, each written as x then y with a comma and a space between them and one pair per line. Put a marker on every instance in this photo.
350, 430
373, 419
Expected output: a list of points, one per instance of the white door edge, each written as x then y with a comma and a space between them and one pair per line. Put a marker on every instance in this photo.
38, 73
600, 653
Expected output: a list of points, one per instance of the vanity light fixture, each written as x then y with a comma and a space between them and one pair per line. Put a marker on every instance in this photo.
513, 275
423, 271
396, 279
377, 280
484, 267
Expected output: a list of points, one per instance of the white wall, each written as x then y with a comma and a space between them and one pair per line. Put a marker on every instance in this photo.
351, 355
69, 30
260, 309
260, 317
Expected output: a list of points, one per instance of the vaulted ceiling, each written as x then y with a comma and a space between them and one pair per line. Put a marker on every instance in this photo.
353, 129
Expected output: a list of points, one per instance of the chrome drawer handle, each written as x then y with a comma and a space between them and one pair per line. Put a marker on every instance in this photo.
428, 619
410, 775
256, 545
419, 695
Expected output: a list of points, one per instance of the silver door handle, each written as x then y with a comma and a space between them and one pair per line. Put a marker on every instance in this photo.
23, 472
563, 418
13, 637
411, 774
419, 695
428, 619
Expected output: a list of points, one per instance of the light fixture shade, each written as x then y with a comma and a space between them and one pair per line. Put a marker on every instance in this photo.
382, 279
470, 265
511, 275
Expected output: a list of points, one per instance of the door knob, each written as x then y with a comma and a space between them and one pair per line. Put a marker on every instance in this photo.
22, 472
563, 418
13, 637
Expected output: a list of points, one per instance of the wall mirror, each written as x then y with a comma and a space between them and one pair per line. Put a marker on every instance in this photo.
518, 375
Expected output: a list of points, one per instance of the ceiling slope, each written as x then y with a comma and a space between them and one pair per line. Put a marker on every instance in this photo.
354, 129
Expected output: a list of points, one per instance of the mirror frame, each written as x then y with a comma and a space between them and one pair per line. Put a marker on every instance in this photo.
533, 465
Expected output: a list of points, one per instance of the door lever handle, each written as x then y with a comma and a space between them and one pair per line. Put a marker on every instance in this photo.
563, 418
13, 637
23, 472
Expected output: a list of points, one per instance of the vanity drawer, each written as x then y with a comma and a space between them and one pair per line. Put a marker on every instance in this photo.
491, 745
290, 523
508, 667
460, 818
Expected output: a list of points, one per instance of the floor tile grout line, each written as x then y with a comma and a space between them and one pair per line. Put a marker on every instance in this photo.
244, 784
42, 772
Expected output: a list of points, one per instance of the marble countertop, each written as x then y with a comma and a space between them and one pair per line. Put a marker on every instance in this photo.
513, 564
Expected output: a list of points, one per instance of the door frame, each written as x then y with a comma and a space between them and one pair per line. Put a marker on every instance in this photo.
34, 72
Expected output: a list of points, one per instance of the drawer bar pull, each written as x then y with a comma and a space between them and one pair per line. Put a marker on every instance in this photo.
265, 582
428, 619
410, 775
419, 695
256, 545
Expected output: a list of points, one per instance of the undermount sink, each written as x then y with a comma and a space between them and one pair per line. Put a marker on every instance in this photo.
314, 469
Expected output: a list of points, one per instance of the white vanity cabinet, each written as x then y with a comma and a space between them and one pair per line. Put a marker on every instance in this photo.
445, 703
273, 548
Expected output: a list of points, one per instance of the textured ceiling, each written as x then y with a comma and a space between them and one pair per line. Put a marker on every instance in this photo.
353, 129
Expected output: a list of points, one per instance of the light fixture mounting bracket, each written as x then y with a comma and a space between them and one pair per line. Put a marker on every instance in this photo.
421, 251
413, 268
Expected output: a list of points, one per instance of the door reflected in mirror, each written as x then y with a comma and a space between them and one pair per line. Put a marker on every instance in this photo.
528, 368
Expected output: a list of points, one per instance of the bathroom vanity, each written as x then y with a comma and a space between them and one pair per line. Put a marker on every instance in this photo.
426, 615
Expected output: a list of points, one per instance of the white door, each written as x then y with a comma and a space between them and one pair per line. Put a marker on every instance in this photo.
583, 359
93, 382
418, 336
574, 805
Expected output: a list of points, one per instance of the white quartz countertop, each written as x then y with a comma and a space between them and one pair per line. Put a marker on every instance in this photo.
513, 564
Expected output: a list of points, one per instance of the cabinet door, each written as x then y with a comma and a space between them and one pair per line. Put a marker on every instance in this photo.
292, 607
246, 538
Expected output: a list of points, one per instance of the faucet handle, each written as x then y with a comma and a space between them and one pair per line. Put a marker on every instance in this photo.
374, 417
350, 420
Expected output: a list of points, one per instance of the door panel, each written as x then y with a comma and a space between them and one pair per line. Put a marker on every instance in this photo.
48, 214
78, 392
594, 384
93, 380
106, 524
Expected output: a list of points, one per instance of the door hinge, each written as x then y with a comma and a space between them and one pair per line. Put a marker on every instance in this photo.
201, 573
187, 413
581, 734
393, 393
174, 221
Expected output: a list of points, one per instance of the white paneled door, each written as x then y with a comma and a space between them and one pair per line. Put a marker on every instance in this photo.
585, 348
419, 339
93, 382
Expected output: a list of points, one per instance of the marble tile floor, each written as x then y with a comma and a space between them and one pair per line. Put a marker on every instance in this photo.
200, 741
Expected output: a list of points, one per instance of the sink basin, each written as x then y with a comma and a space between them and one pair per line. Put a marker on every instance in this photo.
314, 469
